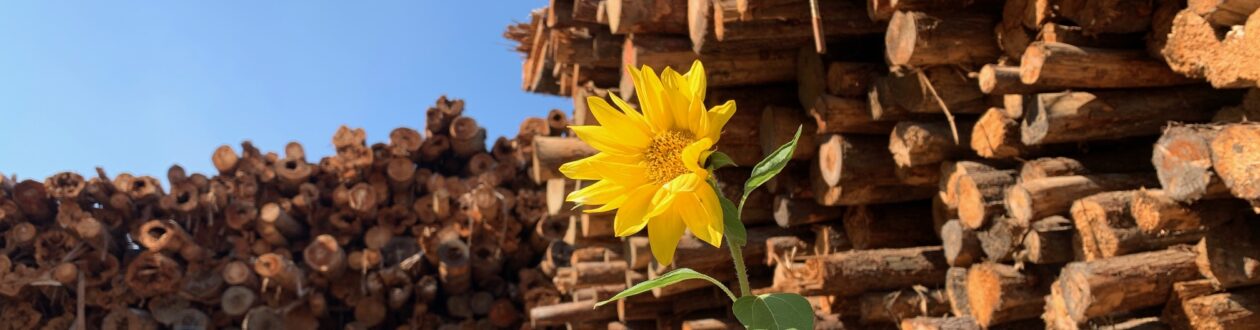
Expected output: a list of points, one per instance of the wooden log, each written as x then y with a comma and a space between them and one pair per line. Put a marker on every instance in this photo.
788, 25
1174, 313
851, 79
1228, 253
981, 196
956, 288
1155, 212
961, 245
940, 323
467, 138
1095, 18
453, 265
1233, 151
1103, 160
778, 126
725, 68
572, 312
852, 273
1058, 64
1036, 199
922, 39
1078, 36
1001, 240
848, 160
551, 152
586, 11
1060, 117
889, 307
647, 16
1229, 310
1050, 241
1124, 283
917, 143
792, 212
835, 115
1003, 79
889, 225
926, 93
1107, 227
785, 249
1001, 293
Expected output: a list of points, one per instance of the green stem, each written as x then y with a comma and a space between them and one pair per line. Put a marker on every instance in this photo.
741, 272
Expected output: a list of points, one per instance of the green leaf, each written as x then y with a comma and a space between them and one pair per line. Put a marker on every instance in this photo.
774, 311
769, 167
678, 275
736, 234
719, 160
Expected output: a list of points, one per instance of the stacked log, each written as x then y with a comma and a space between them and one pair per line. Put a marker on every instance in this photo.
422, 231
1022, 129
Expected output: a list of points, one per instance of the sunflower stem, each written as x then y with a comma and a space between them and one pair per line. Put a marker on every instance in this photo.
741, 272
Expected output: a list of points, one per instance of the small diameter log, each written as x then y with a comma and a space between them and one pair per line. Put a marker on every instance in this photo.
997, 79
551, 152
889, 307
855, 272
597, 225
961, 246
1228, 255
153, 273
1234, 157
1057, 64
791, 212
956, 289
558, 190
1124, 283
780, 124
921, 39
1050, 241
940, 323
1155, 212
997, 135
926, 93
861, 193
162, 235
225, 159
274, 220
922, 143
1230, 310
999, 293
835, 114
889, 225
237, 300
981, 196
325, 255
1107, 228
570, 312
1036, 199
281, 272
467, 138
1109, 115
848, 160
1183, 160
1002, 239
557, 122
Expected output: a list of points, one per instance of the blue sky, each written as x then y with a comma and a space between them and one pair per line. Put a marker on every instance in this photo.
136, 86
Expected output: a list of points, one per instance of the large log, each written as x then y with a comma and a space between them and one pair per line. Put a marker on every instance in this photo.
1107, 227
836, 115
1234, 151
1231, 310
926, 93
1083, 116
1036, 199
921, 143
853, 273
1001, 293
1194, 48
1124, 283
1057, 64
922, 39
1155, 212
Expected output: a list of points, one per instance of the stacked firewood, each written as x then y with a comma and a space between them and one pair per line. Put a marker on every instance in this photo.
996, 164
428, 230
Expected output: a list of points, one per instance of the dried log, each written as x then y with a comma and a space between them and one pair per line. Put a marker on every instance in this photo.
791, 212
1124, 283
1112, 17
889, 307
646, 16
1230, 310
1107, 227
1082, 116
1000, 293
1183, 161
920, 39
852, 273
961, 246
956, 288
1002, 239
835, 115
889, 225
1058, 64
725, 68
1227, 254
1155, 212
1036, 199
551, 152
1232, 152
923, 143
1080, 37
981, 196
926, 93
1050, 241
1000, 80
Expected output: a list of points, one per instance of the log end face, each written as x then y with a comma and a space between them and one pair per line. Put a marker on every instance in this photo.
1030, 64
1019, 204
1236, 158
900, 39
829, 158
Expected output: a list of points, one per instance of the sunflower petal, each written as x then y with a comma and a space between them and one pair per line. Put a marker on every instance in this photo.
664, 232
675, 98
648, 88
600, 193
632, 216
696, 80
698, 219
631, 112
624, 125
718, 116
693, 155
606, 140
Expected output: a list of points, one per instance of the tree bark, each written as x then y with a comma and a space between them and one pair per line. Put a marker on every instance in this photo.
1057, 64
1109, 115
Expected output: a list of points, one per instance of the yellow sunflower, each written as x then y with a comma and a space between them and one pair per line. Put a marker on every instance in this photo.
650, 163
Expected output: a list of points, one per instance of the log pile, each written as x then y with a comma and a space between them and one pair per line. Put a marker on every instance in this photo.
428, 230
996, 164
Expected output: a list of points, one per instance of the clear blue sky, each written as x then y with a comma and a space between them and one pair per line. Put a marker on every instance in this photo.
136, 86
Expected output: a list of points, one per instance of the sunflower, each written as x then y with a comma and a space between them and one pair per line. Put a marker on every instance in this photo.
650, 164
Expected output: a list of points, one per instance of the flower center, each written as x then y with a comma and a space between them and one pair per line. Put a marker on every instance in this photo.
664, 155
